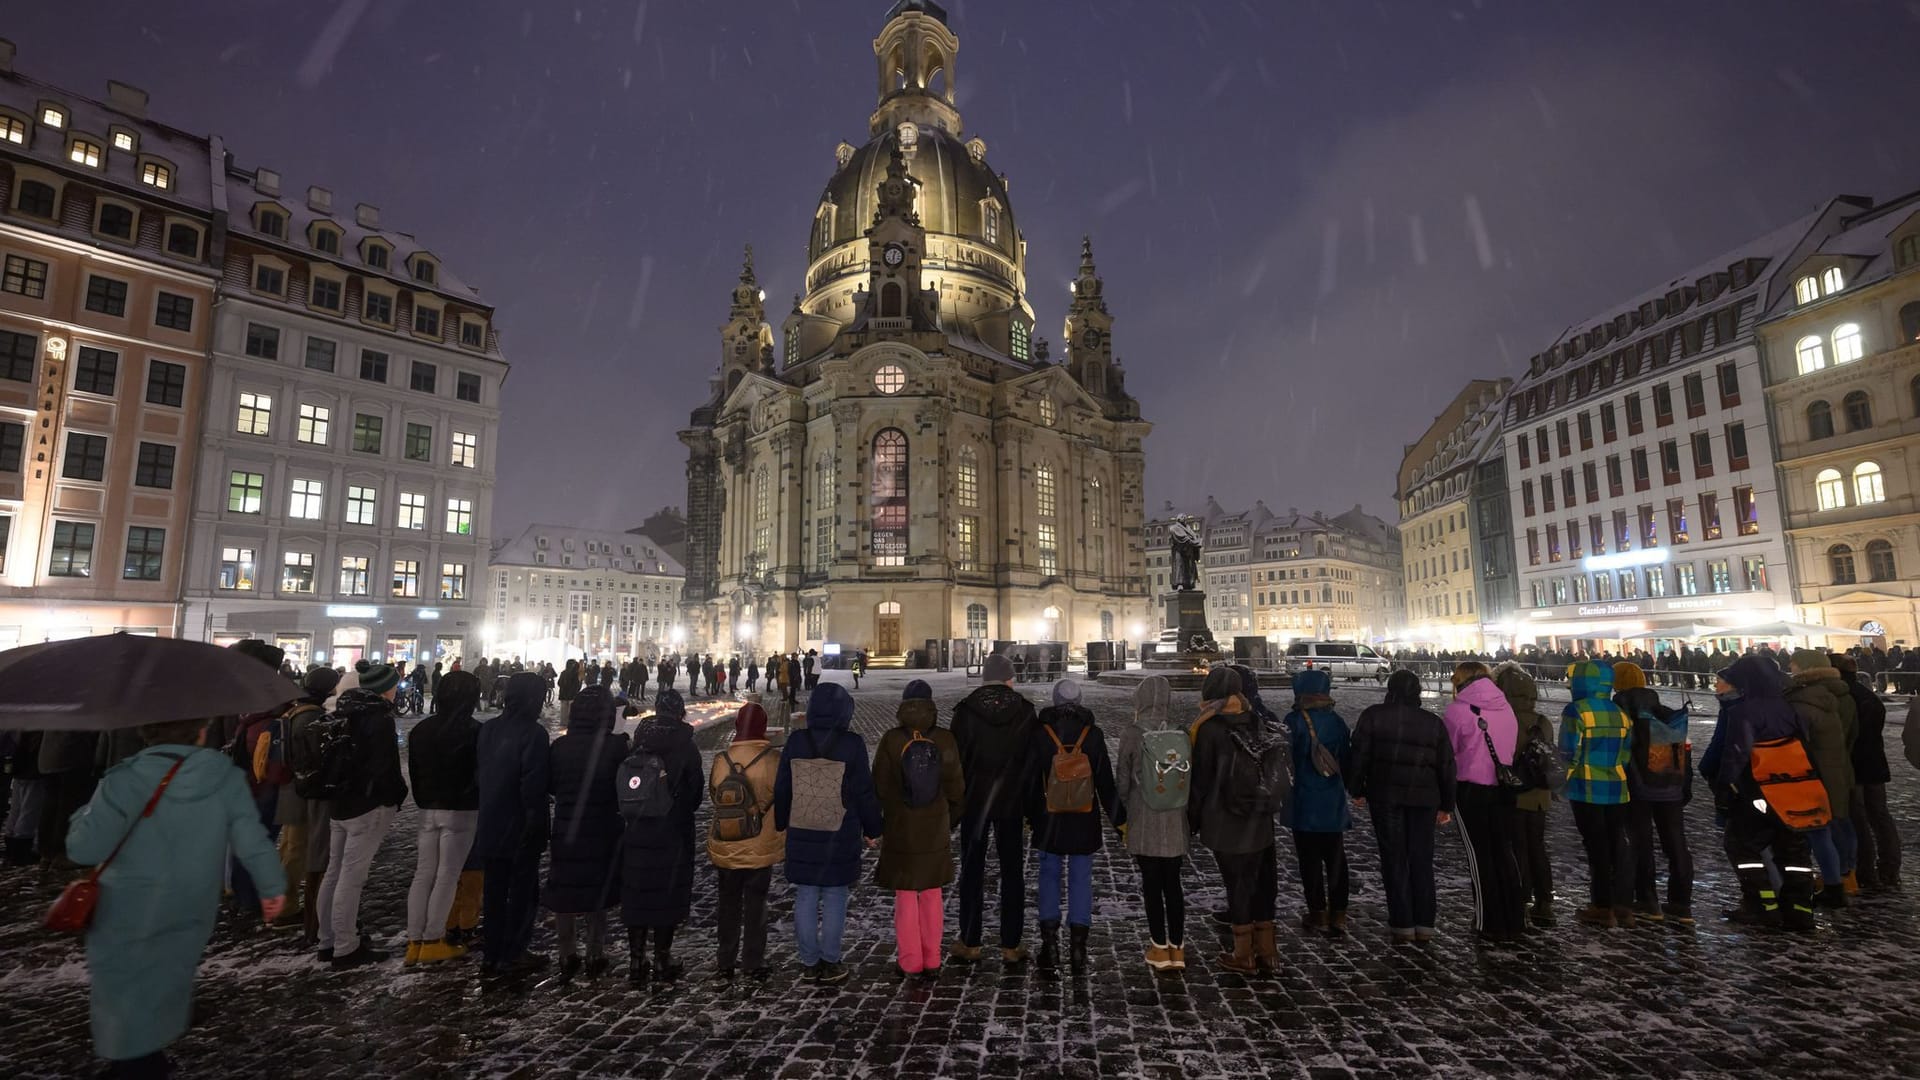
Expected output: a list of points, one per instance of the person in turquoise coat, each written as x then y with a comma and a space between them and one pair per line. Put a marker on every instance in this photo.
160, 895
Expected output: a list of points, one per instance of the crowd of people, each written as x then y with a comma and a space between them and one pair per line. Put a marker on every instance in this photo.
294, 803
1894, 670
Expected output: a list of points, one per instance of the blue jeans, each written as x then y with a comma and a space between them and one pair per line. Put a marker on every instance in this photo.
819, 921
1848, 841
1826, 851
1079, 889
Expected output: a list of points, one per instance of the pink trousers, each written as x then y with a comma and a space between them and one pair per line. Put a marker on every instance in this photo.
918, 922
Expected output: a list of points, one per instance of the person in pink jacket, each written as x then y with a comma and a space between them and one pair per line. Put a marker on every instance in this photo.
1483, 729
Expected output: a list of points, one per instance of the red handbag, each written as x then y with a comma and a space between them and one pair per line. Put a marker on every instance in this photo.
72, 913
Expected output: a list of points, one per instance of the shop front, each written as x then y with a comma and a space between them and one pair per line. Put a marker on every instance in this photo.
1605, 625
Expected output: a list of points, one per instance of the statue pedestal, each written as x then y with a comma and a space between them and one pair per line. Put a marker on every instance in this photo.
1192, 644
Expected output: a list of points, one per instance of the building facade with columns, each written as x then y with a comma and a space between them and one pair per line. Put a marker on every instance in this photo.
1841, 347
902, 461
107, 223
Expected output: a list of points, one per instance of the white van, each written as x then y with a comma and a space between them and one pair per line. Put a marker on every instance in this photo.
1342, 659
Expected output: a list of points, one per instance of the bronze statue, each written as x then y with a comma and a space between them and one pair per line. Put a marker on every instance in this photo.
1185, 536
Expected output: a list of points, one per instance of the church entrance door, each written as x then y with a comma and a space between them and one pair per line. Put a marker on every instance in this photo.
887, 630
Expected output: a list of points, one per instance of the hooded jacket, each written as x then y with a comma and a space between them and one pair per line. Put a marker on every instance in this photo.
1595, 738
1401, 755
994, 729
443, 751
377, 779
1639, 702
159, 898
1870, 743
749, 743
1069, 833
1319, 802
1157, 834
1819, 695
1480, 700
816, 857
915, 854
656, 870
582, 776
1758, 713
1523, 697
513, 774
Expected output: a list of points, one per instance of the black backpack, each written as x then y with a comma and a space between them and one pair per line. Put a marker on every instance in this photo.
920, 770
1258, 782
645, 793
322, 756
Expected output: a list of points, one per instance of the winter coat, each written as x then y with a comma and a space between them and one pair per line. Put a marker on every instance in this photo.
1160, 834
73, 751
1069, 833
1825, 707
1870, 743
1910, 732
569, 683
293, 809
656, 870
376, 778
1595, 738
1523, 697
771, 845
443, 751
1757, 712
159, 898
816, 857
1222, 829
1319, 802
514, 816
1401, 756
1637, 704
915, 850
583, 864
994, 727
1480, 700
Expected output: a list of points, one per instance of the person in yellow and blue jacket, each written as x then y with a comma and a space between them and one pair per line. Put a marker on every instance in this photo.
1596, 740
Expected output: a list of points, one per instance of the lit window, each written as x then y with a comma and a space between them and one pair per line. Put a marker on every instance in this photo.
362, 506
1022, 337
256, 414
967, 543
1046, 411
1867, 484
460, 517
1806, 290
52, 117
890, 379
123, 140
245, 492
466, 449
313, 424
1812, 354
1846, 343
85, 152
1830, 489
1044, 494
154, 174
413, 511
967, 487
354, 572
1049, 555
236, 568
309, 500
296, 572
406, 578
1831, 282
453, 581
889, 498
993, 224
13, 131
25, 277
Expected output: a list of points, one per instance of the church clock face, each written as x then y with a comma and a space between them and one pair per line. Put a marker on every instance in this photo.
893, 255
1092, 338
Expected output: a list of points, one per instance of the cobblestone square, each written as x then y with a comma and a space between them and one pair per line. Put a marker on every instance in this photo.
1710, 1001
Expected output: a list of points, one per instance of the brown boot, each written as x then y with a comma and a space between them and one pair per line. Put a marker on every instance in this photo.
1266, 957
1313, 920
1337, 923
1240, 960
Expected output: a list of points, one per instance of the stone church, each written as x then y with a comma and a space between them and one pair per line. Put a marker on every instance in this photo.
901, 460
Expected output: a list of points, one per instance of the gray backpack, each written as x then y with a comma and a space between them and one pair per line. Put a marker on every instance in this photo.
817, 803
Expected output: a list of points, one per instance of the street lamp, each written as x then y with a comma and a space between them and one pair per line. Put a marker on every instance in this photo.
678, 635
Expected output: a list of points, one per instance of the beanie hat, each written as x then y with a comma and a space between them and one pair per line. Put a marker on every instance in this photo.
918, 688
321, 682
361, 666
669, 706
1848, 665
259, 650
1628, 676
1808, 659
379, 678
1220, 684
997, 668
750, 723
1066, 692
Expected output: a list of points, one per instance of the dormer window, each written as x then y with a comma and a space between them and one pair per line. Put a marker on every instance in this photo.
1021, 337
1905, 253
473, 334
85, 152
53, 116
270, 221
326, 239
124, 140
1831, 282
327, 293
376, 254
155, 175
424, 271
377, 307
991, 225
1806, 290
36, 198
426, 320
269, 277
115, 220
183, 239
13, 130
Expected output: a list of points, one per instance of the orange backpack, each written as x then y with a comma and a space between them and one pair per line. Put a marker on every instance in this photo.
1790, 784
1070, 781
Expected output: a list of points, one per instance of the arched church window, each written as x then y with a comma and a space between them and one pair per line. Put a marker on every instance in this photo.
1044, 494
977, 621
890, 300
1021, 338
889, 491
966, 487
992, 228
762, 509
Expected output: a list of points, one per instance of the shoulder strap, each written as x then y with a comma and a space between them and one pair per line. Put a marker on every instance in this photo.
1313, 732
1082, 738
1058, 746
152, 804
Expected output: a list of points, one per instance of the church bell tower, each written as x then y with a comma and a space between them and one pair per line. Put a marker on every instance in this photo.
1089, 329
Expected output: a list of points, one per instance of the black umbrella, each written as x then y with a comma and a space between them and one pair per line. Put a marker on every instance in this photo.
126, 680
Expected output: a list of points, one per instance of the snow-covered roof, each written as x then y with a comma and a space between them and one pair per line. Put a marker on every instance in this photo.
1865, 242
610, 549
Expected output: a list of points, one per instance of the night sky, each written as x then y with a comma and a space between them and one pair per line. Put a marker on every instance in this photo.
1316, 220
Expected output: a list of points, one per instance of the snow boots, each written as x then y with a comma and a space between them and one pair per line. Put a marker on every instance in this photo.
1049, 946
1077, 949
1240, 960
1266, 956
